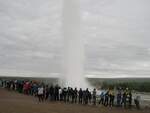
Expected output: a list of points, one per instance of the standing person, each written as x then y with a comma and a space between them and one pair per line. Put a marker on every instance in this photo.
64, 93
72, 95
86, 96
68, 94
35, 89
51, 91
60, 94
124, 97
11, 85
56, 94
15, 85
24, 88
137, 102
111, 98
31, 91
2, 83
46, 92
102, 98
40, 93
90, 97
127, 97
106, 98
80, 96
119, 98
29, 88
76, 95
94, 97
20, 86
130, 99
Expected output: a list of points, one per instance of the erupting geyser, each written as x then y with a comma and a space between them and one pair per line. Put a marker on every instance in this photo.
74, 47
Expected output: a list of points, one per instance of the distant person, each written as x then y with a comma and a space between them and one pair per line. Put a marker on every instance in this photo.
94, 97
40, 93
51, 92
35, 89
56, 93
86, 96
60, 94
106, 99
64, 93
1, 83
127, 98
76, 95
124, 97
25, 88
130, 100
68, 94
46, 92
80, 96
137, 102
119, 96
90, 97
15, 82
72, 95
102, 95
111, 98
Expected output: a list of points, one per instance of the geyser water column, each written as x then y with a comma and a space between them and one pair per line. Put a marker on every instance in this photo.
73, 45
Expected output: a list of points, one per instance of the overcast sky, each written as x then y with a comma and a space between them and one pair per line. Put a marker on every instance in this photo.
116, 36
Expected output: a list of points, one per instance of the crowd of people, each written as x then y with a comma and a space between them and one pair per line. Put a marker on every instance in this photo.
119, 98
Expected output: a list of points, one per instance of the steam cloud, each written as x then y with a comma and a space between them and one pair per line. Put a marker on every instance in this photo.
74, 48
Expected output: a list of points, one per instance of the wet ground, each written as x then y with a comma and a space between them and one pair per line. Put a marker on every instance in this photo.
13, 102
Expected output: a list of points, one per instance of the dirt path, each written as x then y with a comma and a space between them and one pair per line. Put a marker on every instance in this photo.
12, 102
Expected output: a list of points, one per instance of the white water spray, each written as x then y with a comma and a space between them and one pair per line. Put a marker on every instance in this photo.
74, 47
